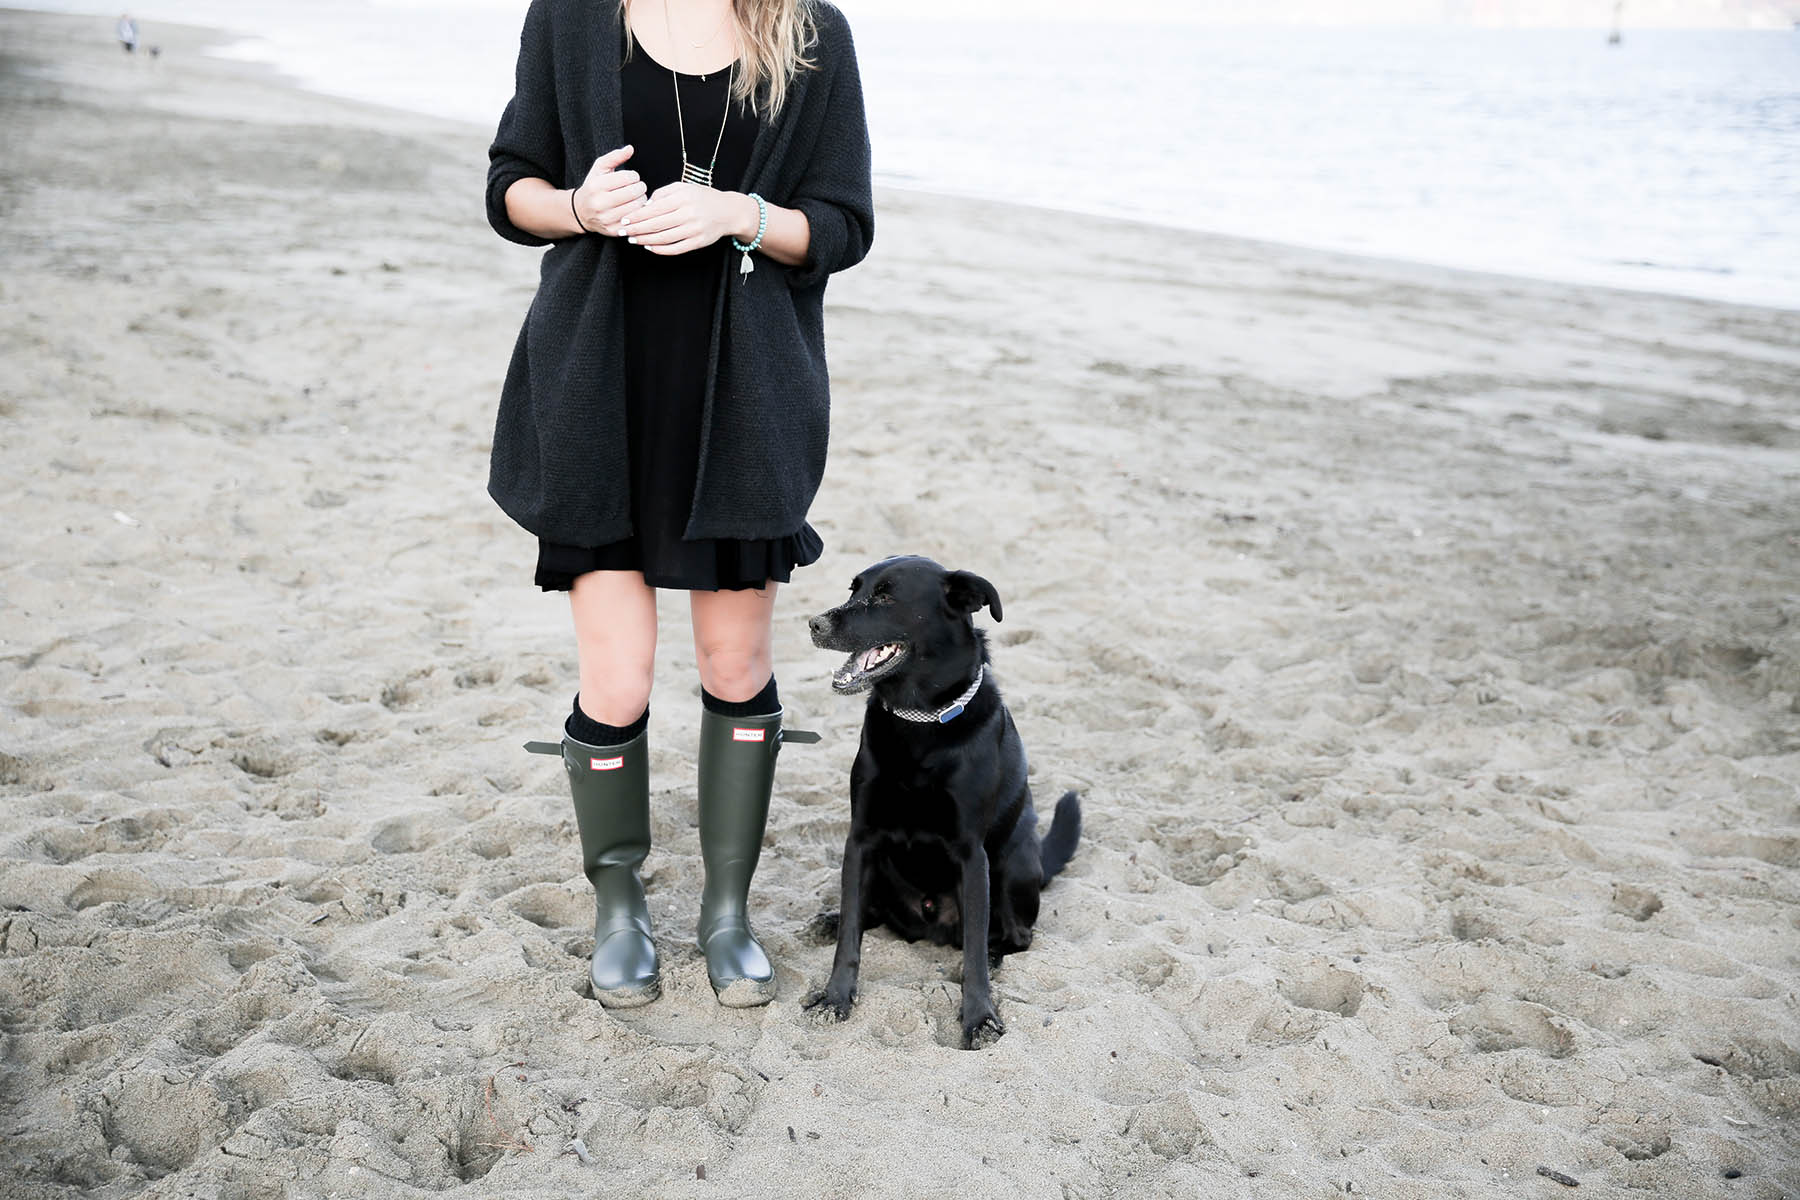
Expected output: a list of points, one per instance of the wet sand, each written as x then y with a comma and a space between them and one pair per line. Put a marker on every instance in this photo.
1425, 646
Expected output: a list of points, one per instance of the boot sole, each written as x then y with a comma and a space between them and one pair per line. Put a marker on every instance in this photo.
634, 997
745, 993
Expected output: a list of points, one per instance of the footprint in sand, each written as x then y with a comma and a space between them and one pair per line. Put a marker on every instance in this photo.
552, 906
407, 834
1777, 851
136, 834
18, 771
1638, 903
1492, 1025
1171, 1128
1199, 857
1325, 988
481, 675
409, 692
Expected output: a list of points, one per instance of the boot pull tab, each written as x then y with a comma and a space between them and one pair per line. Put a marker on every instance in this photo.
544, 748
802, 736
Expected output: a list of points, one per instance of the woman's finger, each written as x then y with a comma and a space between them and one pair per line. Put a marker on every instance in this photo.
617, 212
685, 246
654, 223
662, 201
667, 237
654, 240
618, 181
612, 158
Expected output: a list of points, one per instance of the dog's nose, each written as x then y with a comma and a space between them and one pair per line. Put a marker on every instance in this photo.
820, 625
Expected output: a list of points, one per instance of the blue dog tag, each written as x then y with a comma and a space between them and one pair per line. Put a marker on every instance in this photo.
950, 714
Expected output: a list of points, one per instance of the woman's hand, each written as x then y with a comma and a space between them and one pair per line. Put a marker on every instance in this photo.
685, 216
608, 194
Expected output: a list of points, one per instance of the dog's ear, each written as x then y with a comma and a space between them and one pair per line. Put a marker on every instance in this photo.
968, 592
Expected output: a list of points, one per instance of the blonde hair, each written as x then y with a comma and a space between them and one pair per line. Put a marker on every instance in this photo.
773, 37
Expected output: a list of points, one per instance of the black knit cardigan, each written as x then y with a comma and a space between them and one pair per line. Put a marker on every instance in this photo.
559, 465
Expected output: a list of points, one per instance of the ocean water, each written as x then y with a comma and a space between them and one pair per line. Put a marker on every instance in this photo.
1668, 163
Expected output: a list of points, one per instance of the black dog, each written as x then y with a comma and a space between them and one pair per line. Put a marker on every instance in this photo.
943, 838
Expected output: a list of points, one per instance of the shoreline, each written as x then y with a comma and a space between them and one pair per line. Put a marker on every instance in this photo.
1607, 276
1424, 645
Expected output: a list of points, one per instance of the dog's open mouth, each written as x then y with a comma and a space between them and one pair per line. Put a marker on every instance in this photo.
866, 666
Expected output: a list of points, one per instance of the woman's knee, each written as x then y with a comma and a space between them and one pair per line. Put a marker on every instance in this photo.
735, 673
615, 698
615, 642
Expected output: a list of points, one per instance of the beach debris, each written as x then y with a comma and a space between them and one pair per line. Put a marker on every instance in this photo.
791, 1136
1559, 1177
700, 1171
126, 519
507, 1141
579, 1149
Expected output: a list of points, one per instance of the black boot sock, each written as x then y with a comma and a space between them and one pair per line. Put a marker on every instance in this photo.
762, 704
585, 729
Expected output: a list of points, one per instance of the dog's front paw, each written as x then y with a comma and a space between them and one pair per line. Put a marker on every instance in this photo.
828, 1006
983, 1031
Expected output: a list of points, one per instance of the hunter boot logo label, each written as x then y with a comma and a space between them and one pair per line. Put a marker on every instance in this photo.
606, 764
748, 735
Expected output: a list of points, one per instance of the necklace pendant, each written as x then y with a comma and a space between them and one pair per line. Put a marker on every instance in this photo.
701, 176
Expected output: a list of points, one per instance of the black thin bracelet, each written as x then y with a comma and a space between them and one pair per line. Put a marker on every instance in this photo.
577, 215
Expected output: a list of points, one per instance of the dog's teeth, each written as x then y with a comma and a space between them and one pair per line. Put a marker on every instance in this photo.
873, 657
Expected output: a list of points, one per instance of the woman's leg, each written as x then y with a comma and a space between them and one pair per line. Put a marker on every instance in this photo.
732, 640
615, 643
740, 733
607, 756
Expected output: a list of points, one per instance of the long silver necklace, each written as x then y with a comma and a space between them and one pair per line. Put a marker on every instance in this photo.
689, 172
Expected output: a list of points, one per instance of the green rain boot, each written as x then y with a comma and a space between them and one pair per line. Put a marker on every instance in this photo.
611, 787
737, 772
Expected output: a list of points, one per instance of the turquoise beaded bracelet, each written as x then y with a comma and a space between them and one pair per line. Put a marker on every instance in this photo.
762, 227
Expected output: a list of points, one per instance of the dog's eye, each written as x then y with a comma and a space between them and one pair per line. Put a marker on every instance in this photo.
883, 594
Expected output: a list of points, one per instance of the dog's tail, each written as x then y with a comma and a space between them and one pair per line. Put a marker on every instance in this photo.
1058, 846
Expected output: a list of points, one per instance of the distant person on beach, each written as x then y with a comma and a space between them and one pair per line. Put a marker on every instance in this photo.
127, 31
698, 168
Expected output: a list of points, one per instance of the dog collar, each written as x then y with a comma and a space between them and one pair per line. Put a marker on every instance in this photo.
946, 714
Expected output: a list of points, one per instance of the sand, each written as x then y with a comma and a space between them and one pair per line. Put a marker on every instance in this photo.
1425, 646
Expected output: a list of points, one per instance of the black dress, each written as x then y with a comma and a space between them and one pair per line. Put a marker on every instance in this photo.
668, 318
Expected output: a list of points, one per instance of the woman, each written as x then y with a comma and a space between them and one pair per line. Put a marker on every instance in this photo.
698, 168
